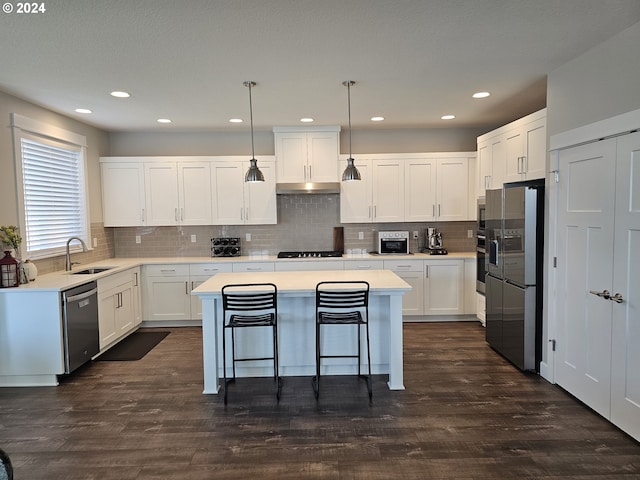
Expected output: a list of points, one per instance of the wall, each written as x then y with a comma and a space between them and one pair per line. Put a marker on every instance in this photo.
239, 143
98, 144
305, 222
598, 84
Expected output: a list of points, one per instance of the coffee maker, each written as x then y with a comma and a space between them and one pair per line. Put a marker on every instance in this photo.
434, 242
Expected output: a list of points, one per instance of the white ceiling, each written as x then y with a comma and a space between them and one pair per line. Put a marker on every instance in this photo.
412, 60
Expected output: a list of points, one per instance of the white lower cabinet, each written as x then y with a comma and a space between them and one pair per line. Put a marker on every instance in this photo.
198, 274
118, 305
437, 286
167, 291
444, 287
412, 272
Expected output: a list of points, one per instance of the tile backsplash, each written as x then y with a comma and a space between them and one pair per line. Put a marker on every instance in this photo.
305, 222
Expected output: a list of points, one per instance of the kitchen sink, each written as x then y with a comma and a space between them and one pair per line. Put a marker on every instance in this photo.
91, 270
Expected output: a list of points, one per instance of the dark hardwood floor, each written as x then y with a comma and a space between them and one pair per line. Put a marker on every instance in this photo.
465, 414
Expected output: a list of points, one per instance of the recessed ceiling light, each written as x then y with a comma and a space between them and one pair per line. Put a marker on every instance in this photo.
481, 95
120, 94
306, 120
448, 117
377, 119
235, 120
83, 110
164, 120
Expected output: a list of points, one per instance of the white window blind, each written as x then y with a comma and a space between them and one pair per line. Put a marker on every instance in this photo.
53, 188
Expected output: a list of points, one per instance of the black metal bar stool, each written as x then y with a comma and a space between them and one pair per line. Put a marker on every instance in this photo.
249, 305
342, 303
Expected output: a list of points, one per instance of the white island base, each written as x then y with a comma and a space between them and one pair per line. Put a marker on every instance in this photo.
296, 327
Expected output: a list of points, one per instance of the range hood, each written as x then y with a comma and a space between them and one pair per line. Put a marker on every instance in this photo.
300, 188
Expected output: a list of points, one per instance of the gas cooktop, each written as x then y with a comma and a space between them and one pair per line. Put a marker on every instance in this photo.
310, 254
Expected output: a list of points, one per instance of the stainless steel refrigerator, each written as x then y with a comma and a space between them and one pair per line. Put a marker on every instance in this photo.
515, 243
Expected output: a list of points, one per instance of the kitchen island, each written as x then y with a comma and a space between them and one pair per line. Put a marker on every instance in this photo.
296, 326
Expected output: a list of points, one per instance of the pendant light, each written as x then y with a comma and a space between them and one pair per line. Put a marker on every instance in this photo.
351, 172
253, 174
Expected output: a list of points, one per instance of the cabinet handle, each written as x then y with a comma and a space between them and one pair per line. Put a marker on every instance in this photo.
375, 211
186, 288
403, 266
310, 176
364, 267
438, 210
617, 298
304, 172
182, 214
369, 214
246, 215
167, 271
175, 214
135, 282
525, 164
142, 215
426, 271
242, 214
193, 285
256, 269
433, 210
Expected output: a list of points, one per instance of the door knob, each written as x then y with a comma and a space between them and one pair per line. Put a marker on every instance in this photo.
604, 294
617, 298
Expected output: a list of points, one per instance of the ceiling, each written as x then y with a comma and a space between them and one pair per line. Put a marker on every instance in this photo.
412, 60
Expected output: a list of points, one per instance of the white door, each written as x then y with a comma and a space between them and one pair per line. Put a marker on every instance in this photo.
444, 287
322, 154
161, 182
291, 154
584, 258
195, 193
453, 190
227, 193
625, 380
388, 191
355, 196
420, 190
260, 197
514, 151
123, 202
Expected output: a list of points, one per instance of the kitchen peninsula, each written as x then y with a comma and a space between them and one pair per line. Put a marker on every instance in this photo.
296, 324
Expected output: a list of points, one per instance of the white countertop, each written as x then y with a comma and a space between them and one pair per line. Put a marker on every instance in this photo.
305, 281
58, 281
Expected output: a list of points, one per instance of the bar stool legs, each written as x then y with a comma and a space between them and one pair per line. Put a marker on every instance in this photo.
343, 303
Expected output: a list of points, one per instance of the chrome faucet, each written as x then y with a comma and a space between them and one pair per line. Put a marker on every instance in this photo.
84, 249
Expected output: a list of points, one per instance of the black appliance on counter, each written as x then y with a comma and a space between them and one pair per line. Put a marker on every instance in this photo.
515, 241
310, 254
225, 247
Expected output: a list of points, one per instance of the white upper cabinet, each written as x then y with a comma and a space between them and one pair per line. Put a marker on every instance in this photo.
165, 191
177, 192
410, 188
235, 202
514, 152
437, 187
307, 155
123, 200
378, 197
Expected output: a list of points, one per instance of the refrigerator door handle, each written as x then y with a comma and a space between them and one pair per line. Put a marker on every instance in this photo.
494, 252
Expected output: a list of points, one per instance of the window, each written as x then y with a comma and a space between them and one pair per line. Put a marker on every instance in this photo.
51, 184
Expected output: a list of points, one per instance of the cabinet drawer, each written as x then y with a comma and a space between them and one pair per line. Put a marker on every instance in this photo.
115, 280
169, 270
210, 269
253, 267
363, 265
404, 265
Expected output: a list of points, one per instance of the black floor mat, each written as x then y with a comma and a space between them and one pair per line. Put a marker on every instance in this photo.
134, 347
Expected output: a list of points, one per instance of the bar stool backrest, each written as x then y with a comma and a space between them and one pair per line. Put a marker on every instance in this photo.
332, 295
249, 297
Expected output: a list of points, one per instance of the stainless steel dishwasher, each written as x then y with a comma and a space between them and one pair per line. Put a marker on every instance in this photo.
80, 324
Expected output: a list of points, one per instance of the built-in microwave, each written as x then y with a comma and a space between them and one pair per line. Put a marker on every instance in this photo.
396, 243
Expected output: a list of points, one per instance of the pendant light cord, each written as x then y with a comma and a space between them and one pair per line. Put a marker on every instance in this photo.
348, 83
251, 84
